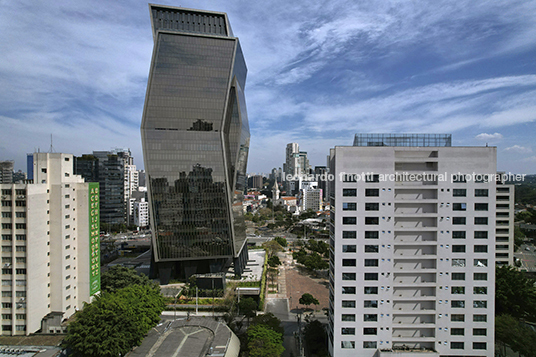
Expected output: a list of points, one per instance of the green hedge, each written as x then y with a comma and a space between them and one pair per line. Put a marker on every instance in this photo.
263, 284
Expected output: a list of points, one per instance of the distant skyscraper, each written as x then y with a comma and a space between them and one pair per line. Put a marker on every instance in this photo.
111, 170
195, 137
6, 171
412, 271
296, 164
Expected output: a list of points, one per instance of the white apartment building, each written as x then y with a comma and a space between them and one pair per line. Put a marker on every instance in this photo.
412, 256
311, 199
141, 213
504, 231
47, 252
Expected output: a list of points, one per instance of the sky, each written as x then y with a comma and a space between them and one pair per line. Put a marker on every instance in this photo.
318, 72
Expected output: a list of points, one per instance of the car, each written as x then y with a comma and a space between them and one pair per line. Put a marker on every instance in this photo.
527, 248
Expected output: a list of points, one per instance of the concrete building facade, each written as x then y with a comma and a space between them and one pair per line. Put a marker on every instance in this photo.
412, 248
50, 250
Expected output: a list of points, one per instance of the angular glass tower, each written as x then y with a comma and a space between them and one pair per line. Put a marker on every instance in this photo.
195, 138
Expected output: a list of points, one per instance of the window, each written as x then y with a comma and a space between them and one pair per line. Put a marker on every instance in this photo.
458, 276
481, 220
481, 206
20, 225
370, 317
6, 316
372, 234
372, 206
348, 331
370, 303
458, 248
480, 262
6, 236
370, 331
372, 248
481, 193
481, 248
7, 226
481, 235
349, 220
6, 214
372, 220
349, 206
6, 203
348, 303
7, 305
480, 276
20, 214
371, 262
370, 344
20, 248
20, 316
348, 262
458, 289
480, 304
479, 332
349, 249
371, 276
457, 318
349, 234
457, 262
20, 236
6, 248
457, 332
480, 290
457, 303
459, 192
457, 345
20, 271
371, 290
349, 192
7, 271
372, 192
459, 206
20, 203
458, 234
480, 318
479, 345
372, 178
348, 276
348, 317
347, 344
458, 220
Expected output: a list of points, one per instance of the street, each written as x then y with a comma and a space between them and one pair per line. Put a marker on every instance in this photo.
527, 257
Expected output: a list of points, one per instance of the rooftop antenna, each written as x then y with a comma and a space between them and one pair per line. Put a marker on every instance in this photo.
51, 146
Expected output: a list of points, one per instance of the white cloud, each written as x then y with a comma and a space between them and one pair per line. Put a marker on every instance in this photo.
489, 137
530, 159
519, 149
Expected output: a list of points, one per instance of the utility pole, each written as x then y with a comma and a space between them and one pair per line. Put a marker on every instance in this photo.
196, 300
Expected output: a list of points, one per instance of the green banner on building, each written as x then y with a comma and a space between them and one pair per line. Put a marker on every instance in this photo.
94, 239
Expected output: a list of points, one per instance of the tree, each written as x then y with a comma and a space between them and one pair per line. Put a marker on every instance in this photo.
313, 261
119, 277
519, 337
264, 342
308, 299
272, 247
248, 307
282, 241
272, 273
270, 321
274, 261
115, 322
316, 339
515, 294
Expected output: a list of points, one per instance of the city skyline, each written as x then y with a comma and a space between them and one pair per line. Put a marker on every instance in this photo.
318, 74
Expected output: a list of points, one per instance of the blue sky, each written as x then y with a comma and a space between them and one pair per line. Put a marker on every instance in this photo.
319, 71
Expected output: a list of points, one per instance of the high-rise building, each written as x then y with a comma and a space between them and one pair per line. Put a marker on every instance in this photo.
504, 230
50, 246
413, 241
195, 137
116, 173
321, 177
255, 181
6, 171
296, 165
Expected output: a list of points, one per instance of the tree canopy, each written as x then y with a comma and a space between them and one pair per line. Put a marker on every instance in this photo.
272, 247
270, 321
274, 261
119, 277
115, 322
519, 337
282, 241
515, 294
316, 339
308, 299
264, 342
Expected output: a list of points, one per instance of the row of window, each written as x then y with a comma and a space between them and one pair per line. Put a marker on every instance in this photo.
17, 226
374, 318
8, 248
18, 192
17, 203
17, 237
479, 304
373, 290
17, 215
453, 345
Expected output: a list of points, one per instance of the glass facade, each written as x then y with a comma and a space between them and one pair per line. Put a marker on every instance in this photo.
408, 140
195, 135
